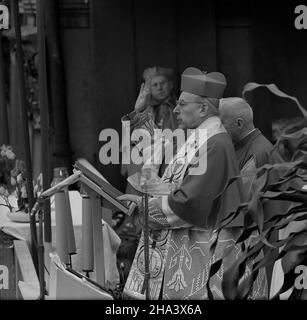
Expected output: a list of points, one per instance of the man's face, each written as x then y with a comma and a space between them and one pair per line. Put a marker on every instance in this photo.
188, 111
160, 87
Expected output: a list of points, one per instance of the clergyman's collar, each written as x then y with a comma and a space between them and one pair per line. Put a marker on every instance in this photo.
250, 136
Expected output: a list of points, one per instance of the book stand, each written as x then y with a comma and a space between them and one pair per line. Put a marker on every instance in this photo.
96, 187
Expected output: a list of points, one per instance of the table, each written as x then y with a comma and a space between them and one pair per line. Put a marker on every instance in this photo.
109, 240
22, 230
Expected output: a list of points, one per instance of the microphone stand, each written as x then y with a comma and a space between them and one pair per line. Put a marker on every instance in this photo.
143, 184
146, 243
41, 256
40, 246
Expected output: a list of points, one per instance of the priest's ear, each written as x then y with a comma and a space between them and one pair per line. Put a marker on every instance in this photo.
203, 109
240, 123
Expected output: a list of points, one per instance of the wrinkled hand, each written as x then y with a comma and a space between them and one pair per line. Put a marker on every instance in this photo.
143, 98
130, 197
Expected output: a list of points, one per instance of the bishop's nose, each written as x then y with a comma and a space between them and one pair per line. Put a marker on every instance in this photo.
176, 109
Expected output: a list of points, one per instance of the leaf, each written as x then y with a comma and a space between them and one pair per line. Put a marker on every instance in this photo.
292, 195
235, 272
214, 244
254, 206
214, 265
243, 246
294, 257
255, 210
266, 242
233, 215
296, 294
261, 182
216, 203
209, 292
276, 185
301, 218
230, 281
275, 90
214, 268
288, 283
246, 234
281, 254
271, 194
291, 236
285, 222
294, 208
269, 258
246, 286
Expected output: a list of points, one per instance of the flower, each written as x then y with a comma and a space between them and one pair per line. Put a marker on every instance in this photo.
38, 186
4, 195
7, 151
24, 192
19, 178
7, 163
2, 191
12, 179
10, 155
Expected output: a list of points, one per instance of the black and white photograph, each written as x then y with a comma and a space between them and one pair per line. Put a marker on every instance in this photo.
153, 154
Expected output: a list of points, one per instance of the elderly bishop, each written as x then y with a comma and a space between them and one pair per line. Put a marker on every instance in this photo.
183, 223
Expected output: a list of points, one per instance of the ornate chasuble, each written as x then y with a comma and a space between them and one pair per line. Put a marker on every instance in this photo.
182, 224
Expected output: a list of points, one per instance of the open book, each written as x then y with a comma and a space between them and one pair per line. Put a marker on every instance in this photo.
93, 178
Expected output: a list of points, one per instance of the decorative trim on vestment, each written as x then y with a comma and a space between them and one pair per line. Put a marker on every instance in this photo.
160, 239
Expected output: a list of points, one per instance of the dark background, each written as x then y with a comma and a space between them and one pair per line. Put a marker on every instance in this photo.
106, 44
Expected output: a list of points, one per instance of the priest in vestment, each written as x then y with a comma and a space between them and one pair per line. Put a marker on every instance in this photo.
250, 144
156, 99
183, 223
253, 150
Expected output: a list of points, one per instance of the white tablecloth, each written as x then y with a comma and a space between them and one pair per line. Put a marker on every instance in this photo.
22, 230
110, 239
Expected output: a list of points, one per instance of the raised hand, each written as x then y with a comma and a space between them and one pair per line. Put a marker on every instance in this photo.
142, 100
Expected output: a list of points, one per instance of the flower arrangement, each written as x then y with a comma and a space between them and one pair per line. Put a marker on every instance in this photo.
12, 179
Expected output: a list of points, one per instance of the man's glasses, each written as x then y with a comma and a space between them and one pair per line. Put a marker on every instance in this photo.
183, 103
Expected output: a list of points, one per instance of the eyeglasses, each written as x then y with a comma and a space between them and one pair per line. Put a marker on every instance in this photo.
182, 103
